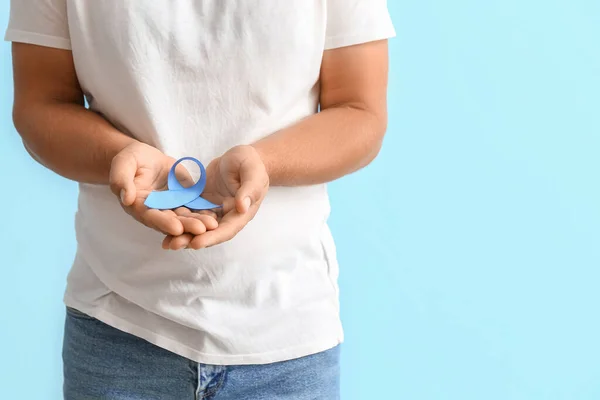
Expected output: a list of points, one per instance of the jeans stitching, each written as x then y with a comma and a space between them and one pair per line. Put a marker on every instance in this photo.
215, 388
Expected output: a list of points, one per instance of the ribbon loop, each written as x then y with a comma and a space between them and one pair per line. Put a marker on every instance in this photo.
179, 196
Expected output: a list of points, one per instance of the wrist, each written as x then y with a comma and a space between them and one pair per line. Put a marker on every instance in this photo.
263, 155
119, 144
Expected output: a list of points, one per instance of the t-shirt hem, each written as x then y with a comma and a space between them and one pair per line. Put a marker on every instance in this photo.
16, 35
334, 42
198, 356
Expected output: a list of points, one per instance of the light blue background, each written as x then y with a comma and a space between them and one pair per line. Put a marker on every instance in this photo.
474, 272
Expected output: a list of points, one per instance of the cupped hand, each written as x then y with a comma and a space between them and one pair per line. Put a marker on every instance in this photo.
239, 181
140, 169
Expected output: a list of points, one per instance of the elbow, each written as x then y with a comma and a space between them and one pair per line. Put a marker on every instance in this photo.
34, 156
18, 118
21, 120
377, 129
373, 153
21, 116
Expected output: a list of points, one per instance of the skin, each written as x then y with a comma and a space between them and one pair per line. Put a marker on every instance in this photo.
80, 145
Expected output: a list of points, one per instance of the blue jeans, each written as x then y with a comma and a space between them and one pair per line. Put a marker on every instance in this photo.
101, 362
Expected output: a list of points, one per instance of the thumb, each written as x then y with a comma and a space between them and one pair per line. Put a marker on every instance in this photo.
253, 185
122, 173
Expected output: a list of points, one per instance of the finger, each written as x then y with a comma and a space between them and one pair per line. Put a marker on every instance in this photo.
231, 224
186, 212
166, 243
210, 213
254, 183
182, 211
163, 220
209, 221
192, 225
122, 173
207, 217
181, 241
151, 225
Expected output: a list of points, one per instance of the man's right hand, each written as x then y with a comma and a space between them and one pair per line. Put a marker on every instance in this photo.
139, 169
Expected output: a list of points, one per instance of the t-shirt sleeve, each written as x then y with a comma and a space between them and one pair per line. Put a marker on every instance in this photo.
351, 22
40, 22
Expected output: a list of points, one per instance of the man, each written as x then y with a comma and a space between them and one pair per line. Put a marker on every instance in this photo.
278, 98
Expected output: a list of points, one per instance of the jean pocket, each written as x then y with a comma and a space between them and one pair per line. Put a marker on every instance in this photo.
78, 314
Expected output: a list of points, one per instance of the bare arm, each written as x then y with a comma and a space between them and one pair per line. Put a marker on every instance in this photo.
49, 114
347, 134
61, 134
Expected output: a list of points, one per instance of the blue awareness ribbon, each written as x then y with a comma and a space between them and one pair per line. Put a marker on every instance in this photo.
178, 196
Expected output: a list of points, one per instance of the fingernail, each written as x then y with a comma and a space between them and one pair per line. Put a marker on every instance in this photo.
122, 194
247, 203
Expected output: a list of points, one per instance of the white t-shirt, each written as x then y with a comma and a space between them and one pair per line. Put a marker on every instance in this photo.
195, 78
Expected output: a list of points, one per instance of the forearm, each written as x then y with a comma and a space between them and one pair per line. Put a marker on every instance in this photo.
323, 147
70, 140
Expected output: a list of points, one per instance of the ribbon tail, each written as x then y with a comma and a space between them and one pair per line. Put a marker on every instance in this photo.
201, 204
